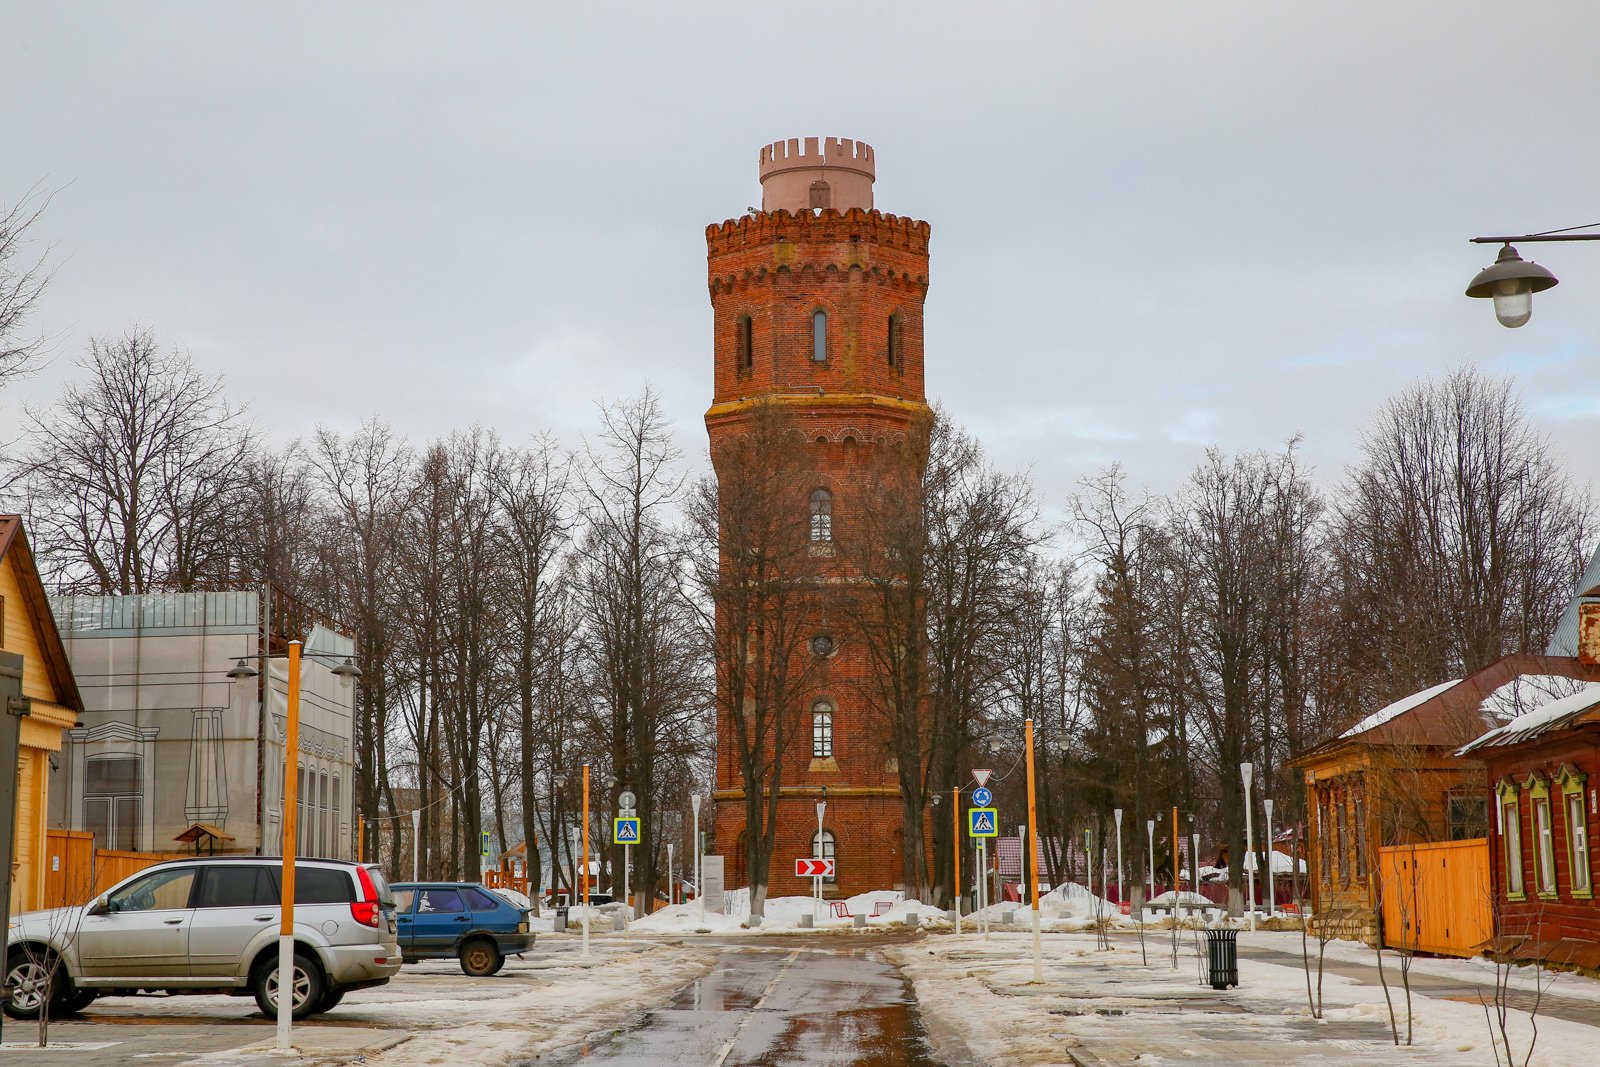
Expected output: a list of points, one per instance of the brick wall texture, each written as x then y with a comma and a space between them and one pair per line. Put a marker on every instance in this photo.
768, 275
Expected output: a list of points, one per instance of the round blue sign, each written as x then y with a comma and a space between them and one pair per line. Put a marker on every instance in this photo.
981, 797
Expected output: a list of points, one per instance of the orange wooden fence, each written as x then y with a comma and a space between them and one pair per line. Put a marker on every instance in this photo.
1436, 896
76, 871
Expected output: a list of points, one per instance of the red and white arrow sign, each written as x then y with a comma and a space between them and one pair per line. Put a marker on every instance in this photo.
981, 777
809, 868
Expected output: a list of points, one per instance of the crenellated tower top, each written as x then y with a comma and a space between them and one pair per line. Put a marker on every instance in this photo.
821, 172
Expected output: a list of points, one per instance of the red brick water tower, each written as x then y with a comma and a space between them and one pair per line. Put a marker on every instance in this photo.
817, 303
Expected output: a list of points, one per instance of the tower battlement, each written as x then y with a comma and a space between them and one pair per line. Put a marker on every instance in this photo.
817, 172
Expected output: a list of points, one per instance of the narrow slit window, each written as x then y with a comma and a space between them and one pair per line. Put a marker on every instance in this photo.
746, 343
894, 353
819, 336
821, 516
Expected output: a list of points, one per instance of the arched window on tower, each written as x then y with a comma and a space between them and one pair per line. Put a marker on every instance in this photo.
821, 195
822, 730
896, 344
819, 336
746, 343
821, 516
823, 847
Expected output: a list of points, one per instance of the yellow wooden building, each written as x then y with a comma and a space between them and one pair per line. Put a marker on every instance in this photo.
28, 628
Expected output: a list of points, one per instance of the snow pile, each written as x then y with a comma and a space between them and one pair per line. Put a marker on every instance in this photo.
785, 913
1066, 907
514, 898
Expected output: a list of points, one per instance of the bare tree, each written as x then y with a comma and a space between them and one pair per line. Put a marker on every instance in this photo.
1460, 535
131, 473
22, 283
639, 633
531, 486
366, 485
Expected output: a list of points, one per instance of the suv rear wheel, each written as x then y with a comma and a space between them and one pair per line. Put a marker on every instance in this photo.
308, 989
480, 957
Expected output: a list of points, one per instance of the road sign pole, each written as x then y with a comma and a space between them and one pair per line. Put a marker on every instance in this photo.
955, 851
983, 886
585, 861
627, 899
1033, 836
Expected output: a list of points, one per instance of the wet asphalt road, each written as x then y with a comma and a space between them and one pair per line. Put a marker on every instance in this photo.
773, 1004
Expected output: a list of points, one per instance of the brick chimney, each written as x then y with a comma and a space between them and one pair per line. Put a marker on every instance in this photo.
1589, 634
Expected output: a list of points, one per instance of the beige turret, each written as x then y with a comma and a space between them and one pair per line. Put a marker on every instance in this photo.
832, 172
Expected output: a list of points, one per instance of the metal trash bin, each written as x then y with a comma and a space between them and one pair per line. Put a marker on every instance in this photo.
1222, 953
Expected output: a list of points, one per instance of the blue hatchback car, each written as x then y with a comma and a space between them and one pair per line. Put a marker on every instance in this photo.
459, 920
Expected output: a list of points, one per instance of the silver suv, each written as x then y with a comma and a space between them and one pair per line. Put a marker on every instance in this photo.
208, 925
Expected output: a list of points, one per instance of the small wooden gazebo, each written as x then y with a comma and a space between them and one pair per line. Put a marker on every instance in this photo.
203, 833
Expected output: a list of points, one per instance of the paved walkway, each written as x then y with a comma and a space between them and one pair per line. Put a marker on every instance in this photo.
818, 1000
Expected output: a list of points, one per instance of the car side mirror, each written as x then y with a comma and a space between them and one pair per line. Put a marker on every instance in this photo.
102, 906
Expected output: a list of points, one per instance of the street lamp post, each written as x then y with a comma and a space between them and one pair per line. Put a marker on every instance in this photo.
699, 888
1245, 771
1510, 281
1150, 830
1117, 815
585, 861
816, 883
1271, 880
347, 673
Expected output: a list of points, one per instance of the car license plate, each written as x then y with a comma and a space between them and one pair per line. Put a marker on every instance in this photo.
522, 927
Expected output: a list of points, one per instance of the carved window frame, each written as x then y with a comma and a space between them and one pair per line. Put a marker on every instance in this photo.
1571, 784
1510, 807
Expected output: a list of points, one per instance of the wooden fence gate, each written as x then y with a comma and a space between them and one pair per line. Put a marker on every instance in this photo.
76, 871
1436, 896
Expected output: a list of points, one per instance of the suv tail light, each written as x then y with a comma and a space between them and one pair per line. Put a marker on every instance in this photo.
365, 910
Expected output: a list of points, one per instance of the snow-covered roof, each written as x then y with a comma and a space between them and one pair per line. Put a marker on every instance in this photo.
1528, 692
1542, 719
1397, 709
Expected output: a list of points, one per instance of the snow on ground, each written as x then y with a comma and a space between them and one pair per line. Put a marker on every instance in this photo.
1121, 1009
1476, 971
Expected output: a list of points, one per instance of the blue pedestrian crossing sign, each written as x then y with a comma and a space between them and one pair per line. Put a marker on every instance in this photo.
625, 831
982, 822
982, 797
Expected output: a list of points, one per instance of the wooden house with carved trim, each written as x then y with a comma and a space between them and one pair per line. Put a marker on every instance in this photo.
1544, 769
1397, 780
28, 628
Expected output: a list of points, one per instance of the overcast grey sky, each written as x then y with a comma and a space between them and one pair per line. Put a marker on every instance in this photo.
1155, 226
